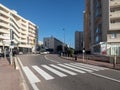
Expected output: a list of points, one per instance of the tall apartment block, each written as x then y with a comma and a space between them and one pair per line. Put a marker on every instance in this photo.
16, 30
78, 41
87, 36
103, 24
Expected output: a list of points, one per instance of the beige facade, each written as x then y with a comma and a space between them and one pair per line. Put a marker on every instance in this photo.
15, 28
104, 26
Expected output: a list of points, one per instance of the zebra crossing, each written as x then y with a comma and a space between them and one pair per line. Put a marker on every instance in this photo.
58, 70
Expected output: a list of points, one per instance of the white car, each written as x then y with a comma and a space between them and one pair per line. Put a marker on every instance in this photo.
45, 52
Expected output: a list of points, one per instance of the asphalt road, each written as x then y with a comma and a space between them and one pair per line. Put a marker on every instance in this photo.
50, 72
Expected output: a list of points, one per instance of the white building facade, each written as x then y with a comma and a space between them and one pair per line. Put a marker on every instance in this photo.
22, 32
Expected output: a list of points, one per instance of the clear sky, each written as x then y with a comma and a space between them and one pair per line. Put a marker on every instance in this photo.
51, 16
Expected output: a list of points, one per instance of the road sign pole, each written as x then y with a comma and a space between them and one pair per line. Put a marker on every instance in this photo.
11, 58
83, 55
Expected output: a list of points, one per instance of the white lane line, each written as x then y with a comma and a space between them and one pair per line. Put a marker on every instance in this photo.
43, 73
92, 66
50, 59
54, 71
24, 84
31, 77
87, 70
85, 67
80, 71
20, 62
102, 76
64, 70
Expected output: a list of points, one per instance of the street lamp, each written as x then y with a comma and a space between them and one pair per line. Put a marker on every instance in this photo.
83, 37
64, 41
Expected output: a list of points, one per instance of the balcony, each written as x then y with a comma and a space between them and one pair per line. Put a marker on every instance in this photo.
23, 32
5, 13
115, 15
5, 25
4, 19
4, 37
4, 31
23, 40
114, 3
114, 26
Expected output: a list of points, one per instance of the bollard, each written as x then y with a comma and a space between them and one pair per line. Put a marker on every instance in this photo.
75, 57
114, 62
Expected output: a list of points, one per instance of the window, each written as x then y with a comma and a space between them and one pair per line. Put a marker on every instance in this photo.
113, 35
97, 39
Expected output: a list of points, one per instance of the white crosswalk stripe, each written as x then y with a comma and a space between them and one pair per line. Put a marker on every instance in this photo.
43, 73
64, 70
60, 70
80, 71
92, 66
93, 69
31, 76
87, 70
54, 71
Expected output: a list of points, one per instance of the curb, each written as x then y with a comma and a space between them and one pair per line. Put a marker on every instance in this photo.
23, 83
16, 64
72, 59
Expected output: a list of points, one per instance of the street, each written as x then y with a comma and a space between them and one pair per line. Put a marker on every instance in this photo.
50, 72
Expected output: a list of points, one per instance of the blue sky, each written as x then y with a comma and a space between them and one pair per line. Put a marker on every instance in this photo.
51, 16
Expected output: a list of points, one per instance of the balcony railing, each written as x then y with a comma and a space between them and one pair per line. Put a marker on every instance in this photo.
4, 31
115, 15
115, 26
5, 13
4, 25
115, 3
4, 37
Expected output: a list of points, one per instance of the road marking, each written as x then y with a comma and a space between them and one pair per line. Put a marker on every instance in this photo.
30, 75
79, 68
43, 73
92, 66
20, 62
25, 87
64, 70
34, 86
102, 76
80, 71
50, 59
84, 67
54, 71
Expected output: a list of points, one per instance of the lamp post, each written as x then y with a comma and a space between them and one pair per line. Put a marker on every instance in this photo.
64, 41
83, 36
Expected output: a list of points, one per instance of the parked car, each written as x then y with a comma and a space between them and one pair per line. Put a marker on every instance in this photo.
45, 52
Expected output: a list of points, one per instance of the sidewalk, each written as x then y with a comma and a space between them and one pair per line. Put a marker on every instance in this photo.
93, 62
9, 77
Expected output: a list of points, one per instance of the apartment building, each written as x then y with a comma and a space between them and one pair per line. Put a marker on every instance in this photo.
103, 20
79, 41
87, 36
16, 30
52, 43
